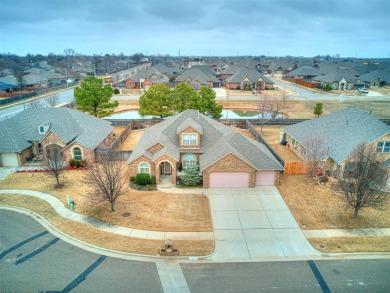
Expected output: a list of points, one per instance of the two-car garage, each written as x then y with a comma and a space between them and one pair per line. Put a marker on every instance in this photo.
241, 179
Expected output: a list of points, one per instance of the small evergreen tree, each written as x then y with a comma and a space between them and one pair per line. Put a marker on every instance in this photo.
191, 175
318, 110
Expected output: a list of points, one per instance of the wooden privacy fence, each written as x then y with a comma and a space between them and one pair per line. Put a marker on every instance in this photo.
295, 168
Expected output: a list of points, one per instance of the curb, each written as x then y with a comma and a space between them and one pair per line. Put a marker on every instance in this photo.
97, 249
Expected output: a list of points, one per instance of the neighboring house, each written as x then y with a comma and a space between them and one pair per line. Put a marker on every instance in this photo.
197, 77
340, 79
26, 135
225, 157
377, 78
230, 71
146, 78
341, 132
247, 79
304, 72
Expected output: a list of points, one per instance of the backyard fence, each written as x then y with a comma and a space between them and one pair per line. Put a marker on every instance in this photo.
295, 168
259, 138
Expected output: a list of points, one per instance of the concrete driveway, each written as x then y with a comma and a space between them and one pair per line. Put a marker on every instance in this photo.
252, 224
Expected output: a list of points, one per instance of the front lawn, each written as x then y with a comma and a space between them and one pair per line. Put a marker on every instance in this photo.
149, 210
317, 207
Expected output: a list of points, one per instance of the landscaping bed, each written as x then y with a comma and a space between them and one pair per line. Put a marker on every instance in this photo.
149, 210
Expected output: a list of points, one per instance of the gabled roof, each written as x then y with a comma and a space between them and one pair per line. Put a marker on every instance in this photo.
18, 132
147, 74
189, 123
377, 75
196, 74
341, 131
336, 76
304, 70
217, 141
251, 74
232, 69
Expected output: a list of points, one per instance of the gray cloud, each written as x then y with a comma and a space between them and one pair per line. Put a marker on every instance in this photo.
225, 27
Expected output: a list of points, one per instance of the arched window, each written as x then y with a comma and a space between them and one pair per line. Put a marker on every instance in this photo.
189, 159
77, 153
144, 168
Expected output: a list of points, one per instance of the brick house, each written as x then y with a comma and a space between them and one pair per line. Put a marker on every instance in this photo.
341, 133
248, 79
146, 78
198, 77
26, 136
225, 158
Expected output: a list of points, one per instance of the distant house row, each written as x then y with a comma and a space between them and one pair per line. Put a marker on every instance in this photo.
197, 76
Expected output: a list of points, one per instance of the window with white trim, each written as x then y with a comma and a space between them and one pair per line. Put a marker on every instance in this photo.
190, 139
77, 153
144, 168
383, 147
189, 159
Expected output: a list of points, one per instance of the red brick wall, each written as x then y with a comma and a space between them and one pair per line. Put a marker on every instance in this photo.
155, 148
24, 154
189, 130
166, 158
230, 163
130, 84
88, 155
229, 85
134, 166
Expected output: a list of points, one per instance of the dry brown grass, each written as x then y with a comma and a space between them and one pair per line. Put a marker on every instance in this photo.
126, 105
245, 132
118, 130
317, 207
132, 140
271, 136
352, 244
107, 240
150, 210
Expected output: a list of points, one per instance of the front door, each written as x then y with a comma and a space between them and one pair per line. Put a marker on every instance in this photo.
167, 168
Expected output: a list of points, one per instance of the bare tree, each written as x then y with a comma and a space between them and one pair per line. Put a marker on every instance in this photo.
108, 178
36, 103
53, 100
278, 105
364, 181
54, 161
314, 150
262, 105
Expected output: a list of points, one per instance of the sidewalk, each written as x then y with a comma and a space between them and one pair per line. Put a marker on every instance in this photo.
64, 212
59, 207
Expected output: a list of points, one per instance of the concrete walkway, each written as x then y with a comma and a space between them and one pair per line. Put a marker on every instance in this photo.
250, 224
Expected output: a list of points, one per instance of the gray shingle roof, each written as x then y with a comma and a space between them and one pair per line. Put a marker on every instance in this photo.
336, 76
341, 131
251, 74
196, 74
217, 141
304, 70
69, 125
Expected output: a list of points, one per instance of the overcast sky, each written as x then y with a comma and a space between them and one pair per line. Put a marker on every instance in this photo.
203, 27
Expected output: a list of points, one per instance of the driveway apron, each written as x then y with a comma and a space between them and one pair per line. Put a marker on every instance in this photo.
252, 224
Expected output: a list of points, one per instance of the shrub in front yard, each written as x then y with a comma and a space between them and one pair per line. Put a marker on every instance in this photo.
132, 179
191, 175
142, 179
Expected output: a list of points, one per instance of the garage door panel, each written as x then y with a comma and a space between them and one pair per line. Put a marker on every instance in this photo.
264, 178
229, 179
9, 159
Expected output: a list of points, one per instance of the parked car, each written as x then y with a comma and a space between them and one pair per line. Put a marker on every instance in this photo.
363, 90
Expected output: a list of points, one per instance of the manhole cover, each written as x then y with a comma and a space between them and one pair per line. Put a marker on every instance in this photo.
126, 215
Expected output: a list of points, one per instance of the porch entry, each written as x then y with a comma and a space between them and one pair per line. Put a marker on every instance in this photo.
165, 168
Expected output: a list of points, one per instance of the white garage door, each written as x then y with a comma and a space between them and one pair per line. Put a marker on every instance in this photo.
229, 179
265, 178
9, 159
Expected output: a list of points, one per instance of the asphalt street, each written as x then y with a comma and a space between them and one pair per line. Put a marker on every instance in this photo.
33, 260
